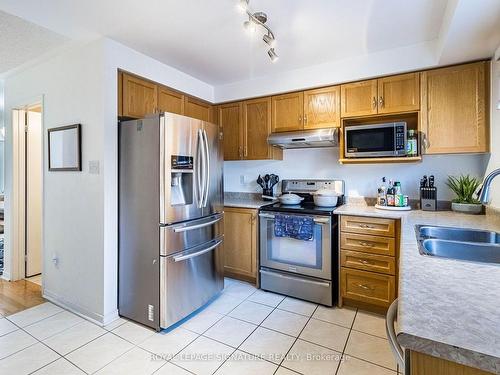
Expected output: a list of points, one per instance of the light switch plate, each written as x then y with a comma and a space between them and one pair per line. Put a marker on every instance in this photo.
94, 166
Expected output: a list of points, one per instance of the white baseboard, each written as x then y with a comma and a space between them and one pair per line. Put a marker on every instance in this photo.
95, 318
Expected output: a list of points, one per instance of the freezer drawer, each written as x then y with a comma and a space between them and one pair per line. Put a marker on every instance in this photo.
188, 280
307, 288
180, 236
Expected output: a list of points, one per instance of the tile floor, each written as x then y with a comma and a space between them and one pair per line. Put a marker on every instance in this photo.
244, 331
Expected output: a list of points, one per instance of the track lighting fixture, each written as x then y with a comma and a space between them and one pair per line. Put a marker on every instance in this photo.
270, 41
243, 5
259, 19
272, 55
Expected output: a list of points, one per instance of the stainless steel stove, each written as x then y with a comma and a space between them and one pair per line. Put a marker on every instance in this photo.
298, 268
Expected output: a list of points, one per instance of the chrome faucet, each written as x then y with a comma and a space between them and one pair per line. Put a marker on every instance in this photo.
484, 193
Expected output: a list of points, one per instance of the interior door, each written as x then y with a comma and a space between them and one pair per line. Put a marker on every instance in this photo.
34, 163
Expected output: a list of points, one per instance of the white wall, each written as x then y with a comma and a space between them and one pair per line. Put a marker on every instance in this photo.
361, 180
80, 209
495, 130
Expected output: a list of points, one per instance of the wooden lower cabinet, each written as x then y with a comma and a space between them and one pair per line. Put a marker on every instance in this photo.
240, 243
424, 364
369, 253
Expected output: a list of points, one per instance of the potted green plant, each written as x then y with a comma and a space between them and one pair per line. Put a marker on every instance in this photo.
465, 188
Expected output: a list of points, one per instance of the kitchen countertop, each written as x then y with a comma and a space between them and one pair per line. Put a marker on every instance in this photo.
245, 200
447, 308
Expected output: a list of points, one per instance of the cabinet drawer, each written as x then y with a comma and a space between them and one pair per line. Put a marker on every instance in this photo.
367, 287
368, 262
367, 243
368, 225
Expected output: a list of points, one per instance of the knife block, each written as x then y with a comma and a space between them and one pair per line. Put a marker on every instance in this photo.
428, 198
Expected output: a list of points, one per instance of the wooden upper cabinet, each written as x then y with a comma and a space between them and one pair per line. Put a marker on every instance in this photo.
139, 96
170, 101
287, 112
455, 109
197, 109
359, 98
399, 93
230, 121
256, 129
322, 108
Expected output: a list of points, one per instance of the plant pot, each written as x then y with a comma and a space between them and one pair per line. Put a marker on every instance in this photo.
467, 208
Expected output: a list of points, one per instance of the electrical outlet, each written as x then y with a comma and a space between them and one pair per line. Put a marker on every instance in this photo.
55, 259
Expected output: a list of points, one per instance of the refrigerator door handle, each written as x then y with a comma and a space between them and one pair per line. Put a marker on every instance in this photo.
199, 172
207, 168
197, 226
180, 258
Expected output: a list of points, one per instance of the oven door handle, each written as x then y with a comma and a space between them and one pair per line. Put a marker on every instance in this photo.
317, 220
319, 283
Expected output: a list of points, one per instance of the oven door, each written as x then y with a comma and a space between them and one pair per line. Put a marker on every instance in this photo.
370, 140
311, 258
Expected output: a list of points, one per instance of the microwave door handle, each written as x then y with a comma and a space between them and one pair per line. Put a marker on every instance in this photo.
207, 167
180, 258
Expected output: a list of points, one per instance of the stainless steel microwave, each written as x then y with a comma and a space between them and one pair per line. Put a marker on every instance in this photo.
375, 140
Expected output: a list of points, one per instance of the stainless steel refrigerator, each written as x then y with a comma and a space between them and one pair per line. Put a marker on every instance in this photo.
170, 218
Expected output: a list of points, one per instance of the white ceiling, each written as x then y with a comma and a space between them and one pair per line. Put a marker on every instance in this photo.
22, 41
205, 38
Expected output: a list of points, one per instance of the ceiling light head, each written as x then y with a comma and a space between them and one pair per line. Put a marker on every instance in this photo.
250, 26
272, 55
260, 16
243, 5
270, 41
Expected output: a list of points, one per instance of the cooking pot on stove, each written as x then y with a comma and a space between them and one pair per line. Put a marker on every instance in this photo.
290, 198
326, 198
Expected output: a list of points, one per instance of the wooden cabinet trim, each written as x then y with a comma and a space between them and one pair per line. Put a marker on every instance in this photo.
368, 243
355, 102
322, 108
368, 287
368, 262
368, 225
293, 118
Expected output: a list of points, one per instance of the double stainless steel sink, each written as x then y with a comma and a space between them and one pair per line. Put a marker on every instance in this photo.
459, 243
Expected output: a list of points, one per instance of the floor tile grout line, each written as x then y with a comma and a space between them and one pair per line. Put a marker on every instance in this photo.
347, 340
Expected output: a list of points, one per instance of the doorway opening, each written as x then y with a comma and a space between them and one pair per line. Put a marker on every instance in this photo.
28, 140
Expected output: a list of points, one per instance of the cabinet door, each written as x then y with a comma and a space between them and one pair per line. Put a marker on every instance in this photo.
256, 128
322, 108
240, 243
170, 101
230, 120
399, 93
139, 96
196, 108
287, 112
359, 98
454, 109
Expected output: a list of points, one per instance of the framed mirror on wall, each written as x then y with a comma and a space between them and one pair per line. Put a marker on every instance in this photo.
65, 148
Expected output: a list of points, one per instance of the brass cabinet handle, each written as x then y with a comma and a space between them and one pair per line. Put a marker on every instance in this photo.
365, 244
305, 119
240, 152
381, 101
366, 226
300, 119
374, 102
366, 262
365, 287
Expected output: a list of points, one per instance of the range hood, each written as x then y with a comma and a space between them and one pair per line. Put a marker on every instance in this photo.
305, 139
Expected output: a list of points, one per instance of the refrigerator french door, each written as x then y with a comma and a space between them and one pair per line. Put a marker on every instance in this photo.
171, 226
